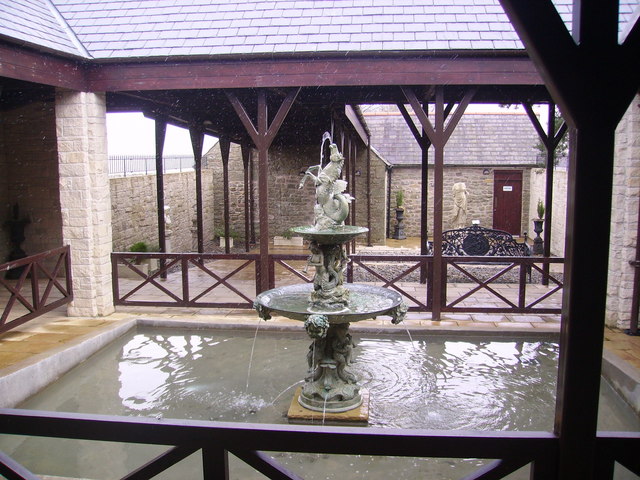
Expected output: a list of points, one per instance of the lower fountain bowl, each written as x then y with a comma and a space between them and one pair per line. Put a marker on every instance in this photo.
365, 302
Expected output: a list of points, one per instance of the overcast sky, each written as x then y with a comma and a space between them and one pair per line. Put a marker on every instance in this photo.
134, 134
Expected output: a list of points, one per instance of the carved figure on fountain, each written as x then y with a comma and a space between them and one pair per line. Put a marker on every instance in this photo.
332, 204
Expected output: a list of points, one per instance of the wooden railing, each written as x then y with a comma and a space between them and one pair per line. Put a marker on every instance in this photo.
486, 292
506, 452
185, 280
39, 284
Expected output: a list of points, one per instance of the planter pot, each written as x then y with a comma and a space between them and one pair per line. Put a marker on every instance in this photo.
223, 243
538, 243
126, 272
287, 242
399, 231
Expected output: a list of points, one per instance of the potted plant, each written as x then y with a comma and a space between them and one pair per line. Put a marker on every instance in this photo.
287, 239
538, 243
143, 265
399, 230
219, 234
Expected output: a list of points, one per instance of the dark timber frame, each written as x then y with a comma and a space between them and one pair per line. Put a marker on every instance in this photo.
593, 56
572, 66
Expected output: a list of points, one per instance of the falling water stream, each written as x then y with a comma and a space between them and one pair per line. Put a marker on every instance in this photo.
438, 382
253, 346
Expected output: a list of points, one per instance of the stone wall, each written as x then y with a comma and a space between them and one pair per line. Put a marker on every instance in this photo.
290, 206
378, 196
30, 175
624, 217
134, 211
80, 120
559, 212
479, 182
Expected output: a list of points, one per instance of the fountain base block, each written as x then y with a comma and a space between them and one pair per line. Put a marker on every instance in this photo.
356, 416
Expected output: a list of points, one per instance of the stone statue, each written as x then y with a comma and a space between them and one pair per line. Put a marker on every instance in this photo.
459, 219
332, 204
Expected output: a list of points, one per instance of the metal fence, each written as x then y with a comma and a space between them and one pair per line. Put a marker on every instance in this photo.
124, 165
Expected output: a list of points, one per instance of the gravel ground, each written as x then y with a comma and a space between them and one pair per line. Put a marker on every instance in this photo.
482, 272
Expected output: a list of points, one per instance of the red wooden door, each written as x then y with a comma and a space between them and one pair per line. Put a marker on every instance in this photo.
507, 200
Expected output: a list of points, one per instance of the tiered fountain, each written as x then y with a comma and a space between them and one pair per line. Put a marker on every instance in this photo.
328, 305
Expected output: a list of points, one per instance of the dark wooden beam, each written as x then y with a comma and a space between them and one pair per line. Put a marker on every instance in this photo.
262, 135
197, 140
438, 133
594, 58
550, 139
37, 67
160, 133
574, 67
343, 71
225, 146
246, 155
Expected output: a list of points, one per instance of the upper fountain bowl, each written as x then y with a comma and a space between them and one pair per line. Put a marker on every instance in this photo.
337, 234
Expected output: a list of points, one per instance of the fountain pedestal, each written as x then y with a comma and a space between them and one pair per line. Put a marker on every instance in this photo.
328, 305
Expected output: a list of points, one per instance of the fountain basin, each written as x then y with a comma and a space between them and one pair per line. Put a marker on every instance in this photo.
337, 234
365, 302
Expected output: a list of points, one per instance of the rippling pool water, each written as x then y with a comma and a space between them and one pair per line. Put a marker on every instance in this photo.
436, 382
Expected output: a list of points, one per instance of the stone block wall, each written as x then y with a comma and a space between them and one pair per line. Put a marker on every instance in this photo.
290, 206
80, 120
624, 217
378, 196
30, 176
134, 211
479, 183
559, 212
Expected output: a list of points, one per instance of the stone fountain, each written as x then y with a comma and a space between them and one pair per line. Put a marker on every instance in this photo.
329, 305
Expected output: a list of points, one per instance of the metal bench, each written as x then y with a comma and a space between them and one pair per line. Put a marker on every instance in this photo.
477, 241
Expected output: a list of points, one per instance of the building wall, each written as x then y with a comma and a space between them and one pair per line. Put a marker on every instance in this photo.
289, 205
559, 212
30, 176
624, 217
377, 194
134, 216
479, 182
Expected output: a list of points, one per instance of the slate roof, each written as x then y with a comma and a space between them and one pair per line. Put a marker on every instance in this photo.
110, 29
486, 139
36, 22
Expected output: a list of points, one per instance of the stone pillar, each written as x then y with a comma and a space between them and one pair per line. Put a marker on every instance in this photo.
624, 217
85, 198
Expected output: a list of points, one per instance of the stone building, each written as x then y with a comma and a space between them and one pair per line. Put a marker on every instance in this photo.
482, 146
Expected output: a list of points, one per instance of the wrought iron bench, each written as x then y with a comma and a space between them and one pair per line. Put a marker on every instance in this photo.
477, 241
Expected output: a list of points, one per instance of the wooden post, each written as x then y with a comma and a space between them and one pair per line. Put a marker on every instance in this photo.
424, 143
161, 130
438, 134
246, 153
262, 136
225, 146
197, 140
160, 133
369, 190
550, 139
573, 66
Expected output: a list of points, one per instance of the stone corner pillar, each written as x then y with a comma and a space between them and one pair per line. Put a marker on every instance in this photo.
85, 198
624, 218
